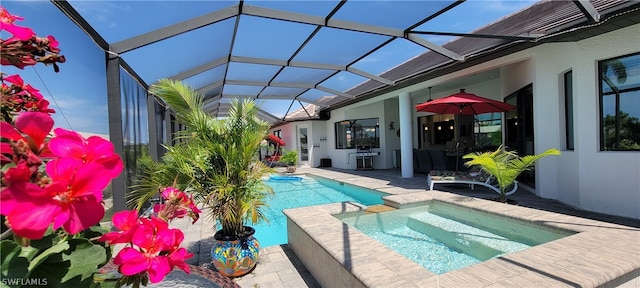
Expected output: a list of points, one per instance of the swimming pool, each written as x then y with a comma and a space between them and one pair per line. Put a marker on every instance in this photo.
307, 191
442, 238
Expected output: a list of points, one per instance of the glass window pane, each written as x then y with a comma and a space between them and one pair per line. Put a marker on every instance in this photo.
620, 102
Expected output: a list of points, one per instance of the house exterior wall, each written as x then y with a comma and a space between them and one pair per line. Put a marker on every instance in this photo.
586, 178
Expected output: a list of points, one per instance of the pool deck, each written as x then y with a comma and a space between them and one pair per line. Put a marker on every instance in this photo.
279, 266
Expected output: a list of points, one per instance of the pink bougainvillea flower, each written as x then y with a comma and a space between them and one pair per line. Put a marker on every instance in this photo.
71, 144
126, 221
6, 23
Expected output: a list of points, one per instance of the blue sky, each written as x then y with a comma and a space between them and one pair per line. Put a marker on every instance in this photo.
78, 92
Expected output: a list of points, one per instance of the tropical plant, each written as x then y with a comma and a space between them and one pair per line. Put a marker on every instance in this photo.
289, 157
505, 166
217, 161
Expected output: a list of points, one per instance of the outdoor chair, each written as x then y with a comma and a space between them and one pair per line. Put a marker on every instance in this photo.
471, 178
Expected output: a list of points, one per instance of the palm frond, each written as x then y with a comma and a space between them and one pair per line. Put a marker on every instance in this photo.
505, 166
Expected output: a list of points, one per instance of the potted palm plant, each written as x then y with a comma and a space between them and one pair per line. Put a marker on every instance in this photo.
290, 158
219, 164
505, 166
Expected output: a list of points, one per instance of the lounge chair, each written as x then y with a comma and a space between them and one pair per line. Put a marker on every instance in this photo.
465, 177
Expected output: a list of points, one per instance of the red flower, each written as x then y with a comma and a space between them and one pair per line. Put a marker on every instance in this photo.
36, 125
70, 144
6, 23
126, 221
157, 251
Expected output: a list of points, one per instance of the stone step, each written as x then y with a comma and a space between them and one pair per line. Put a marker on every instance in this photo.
472, 241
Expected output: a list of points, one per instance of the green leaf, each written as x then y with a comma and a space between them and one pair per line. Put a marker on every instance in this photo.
73, 267
13, 266
85, 258
55, 249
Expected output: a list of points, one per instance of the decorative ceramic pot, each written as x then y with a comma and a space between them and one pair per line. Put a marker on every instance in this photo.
235, 256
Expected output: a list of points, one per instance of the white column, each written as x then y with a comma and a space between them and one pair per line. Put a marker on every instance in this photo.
406, 145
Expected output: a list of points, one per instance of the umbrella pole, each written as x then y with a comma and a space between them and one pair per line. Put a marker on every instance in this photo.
458, 139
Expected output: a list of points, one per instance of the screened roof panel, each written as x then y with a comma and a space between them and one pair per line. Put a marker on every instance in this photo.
233, 90
119, 20
338, 46
308, 76
343, 81
207, 77
309, 7
396, 52
282, 49
484, 12
251, 72
314, 96
268, 38
392, 14
178, 54
281, 92
279, 106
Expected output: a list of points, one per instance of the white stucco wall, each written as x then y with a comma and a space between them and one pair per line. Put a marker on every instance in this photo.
587, 178
609, 180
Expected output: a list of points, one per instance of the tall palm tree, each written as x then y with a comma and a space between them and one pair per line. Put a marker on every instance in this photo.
505, 165
217, 161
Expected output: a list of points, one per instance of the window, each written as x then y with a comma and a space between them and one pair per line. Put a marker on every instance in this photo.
359, 132
568, 109
620, 103
488, 130
278, 133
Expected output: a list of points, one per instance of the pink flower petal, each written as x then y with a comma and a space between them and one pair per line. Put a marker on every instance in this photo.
178, 257
158, 268
131, 261
84, 213
13, 196
67, 143
32, 219
35, 124
9, 132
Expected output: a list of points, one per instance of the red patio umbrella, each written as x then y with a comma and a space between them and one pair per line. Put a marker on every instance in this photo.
275, 139
463, 103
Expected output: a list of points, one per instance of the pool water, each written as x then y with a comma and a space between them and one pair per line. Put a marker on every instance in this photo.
306, 191
443, 238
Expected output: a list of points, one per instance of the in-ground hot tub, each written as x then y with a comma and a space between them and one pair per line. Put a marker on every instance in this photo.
338, 255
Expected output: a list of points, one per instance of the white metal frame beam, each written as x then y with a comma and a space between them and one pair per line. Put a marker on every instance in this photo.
588, 10
173, 30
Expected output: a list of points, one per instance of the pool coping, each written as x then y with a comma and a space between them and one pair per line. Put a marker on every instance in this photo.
337, 255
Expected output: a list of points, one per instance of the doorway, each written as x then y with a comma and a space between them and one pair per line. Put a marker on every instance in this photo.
519, 135
303, 146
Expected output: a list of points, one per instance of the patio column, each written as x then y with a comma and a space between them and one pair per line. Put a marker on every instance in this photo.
406, 147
